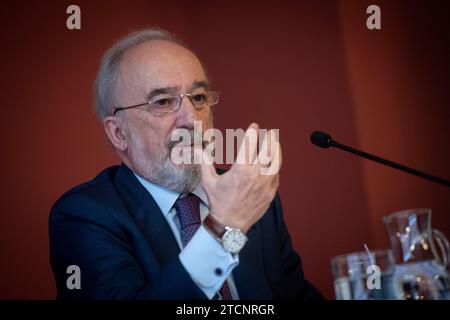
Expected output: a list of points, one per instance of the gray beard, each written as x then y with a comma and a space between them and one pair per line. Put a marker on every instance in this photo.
162, 171
180, 178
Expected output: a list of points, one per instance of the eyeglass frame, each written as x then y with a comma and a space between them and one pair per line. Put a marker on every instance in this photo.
181, 96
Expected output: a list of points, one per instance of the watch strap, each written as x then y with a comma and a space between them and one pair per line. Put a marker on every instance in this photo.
215, 227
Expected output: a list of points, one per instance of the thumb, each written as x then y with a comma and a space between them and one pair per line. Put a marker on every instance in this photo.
207, 164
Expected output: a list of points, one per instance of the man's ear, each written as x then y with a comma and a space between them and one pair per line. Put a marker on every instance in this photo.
115, 133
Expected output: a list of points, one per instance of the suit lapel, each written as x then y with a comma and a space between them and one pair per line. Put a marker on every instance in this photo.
149, 218
249, 276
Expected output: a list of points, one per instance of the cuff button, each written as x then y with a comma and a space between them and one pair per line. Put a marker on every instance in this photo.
218, 272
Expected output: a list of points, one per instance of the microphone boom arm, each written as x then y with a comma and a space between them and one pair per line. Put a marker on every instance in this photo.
324, 140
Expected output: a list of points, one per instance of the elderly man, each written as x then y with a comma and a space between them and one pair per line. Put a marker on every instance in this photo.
153, 229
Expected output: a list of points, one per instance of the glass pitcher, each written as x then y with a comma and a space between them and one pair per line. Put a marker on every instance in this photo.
354, 278
417, 260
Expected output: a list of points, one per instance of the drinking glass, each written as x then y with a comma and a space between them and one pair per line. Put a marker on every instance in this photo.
365, 276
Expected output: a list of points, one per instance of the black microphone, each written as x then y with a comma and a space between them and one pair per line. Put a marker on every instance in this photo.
324, 140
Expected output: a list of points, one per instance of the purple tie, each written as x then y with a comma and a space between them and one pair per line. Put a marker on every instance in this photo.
188, 210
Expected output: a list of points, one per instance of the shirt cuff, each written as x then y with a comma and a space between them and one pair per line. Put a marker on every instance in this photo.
207, 262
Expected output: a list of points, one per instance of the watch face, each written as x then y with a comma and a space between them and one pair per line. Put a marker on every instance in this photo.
234, 240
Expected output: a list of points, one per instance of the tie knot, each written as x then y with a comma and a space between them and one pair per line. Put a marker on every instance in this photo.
188, 210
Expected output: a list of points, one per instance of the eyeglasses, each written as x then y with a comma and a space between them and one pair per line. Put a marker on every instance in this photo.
165, 104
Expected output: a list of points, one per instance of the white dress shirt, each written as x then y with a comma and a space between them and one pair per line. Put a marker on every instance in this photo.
204, 258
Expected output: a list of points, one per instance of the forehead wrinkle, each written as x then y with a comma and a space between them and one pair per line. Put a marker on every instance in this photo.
175, 90
142, 64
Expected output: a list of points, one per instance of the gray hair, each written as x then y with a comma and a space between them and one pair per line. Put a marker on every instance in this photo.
108, 73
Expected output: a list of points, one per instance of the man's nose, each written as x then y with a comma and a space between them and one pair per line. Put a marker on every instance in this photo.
187, 113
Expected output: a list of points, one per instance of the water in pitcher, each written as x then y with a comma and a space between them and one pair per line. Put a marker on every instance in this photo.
357, 289
365, 276
419, 268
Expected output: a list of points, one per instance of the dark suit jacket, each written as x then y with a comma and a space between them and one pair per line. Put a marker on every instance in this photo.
112, 228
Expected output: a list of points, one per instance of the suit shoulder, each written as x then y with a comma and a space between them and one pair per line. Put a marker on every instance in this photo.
88, 196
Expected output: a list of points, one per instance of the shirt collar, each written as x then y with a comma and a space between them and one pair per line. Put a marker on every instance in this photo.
165, 198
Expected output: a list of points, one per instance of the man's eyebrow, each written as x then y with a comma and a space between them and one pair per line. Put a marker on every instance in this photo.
196, 84
200, 84
159, 91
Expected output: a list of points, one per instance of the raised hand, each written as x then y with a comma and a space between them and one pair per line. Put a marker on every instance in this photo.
239, 197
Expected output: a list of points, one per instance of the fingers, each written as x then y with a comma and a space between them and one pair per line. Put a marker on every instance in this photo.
280, 154
267, 161
275, 155
249, 145
264, 157
207, 164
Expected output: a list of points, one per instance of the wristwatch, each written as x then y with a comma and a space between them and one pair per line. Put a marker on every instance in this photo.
232, 239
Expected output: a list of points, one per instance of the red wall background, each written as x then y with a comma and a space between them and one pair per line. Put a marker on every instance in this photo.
293, 65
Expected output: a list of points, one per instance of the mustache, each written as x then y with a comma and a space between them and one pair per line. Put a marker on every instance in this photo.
170, 143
